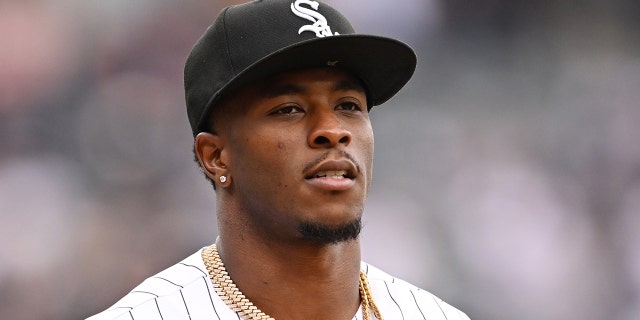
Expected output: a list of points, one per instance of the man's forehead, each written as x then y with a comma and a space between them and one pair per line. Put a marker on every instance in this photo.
295, 82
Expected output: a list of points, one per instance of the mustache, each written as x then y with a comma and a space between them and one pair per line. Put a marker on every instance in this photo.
324, 157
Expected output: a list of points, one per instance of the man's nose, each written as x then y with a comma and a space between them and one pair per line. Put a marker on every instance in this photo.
328, 131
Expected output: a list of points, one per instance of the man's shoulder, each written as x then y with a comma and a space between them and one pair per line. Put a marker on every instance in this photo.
170, 292
399, 299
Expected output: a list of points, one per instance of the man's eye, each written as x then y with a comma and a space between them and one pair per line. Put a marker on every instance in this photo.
288, 110
349, 106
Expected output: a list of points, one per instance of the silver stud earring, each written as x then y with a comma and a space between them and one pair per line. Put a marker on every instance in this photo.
223, 179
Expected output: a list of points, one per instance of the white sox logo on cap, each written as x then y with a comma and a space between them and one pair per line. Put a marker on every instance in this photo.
319, 26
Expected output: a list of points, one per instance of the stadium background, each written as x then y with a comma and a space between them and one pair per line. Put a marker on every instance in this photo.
507, 173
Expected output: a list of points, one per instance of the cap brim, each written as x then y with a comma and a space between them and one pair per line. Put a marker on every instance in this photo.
384, 65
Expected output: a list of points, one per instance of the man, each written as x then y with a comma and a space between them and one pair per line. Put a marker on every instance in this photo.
278, 96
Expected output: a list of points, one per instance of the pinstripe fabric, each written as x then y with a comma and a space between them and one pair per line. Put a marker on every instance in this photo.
184, 291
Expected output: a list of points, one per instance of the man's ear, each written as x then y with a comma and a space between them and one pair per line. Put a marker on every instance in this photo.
209, 149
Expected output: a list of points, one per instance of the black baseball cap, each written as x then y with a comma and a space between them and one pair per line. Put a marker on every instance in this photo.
259, 39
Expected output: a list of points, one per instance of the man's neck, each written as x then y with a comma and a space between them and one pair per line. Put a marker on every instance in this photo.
295, 280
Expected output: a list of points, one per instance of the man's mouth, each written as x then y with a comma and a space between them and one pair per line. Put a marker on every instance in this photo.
333, 174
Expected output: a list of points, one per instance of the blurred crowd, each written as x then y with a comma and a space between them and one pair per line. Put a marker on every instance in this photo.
507, 173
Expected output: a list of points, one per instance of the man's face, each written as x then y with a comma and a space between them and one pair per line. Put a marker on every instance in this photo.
300, 151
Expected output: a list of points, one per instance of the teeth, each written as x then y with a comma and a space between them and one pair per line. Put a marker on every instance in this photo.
339, 174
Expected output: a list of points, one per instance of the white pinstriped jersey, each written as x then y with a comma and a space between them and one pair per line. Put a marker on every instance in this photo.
184, 291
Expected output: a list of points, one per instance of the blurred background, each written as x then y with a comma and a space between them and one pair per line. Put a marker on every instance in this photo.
507, 172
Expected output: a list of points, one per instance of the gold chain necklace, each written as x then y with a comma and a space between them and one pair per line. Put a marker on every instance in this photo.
233, 297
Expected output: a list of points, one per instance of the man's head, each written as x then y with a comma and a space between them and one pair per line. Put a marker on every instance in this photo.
278, 97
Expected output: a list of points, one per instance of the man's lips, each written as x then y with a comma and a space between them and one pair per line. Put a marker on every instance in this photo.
332, 174
333, 169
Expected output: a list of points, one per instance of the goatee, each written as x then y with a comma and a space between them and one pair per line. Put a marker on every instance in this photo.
325, 234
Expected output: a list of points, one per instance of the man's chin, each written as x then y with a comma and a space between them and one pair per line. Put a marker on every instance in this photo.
327, 234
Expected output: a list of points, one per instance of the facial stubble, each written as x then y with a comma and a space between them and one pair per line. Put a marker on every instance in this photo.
325, 234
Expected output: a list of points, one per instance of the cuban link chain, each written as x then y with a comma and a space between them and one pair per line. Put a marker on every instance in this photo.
238, 302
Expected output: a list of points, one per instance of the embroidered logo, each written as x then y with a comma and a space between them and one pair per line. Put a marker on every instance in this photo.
319, 26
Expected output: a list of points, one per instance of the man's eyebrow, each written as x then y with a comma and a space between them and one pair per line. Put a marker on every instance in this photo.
276, 90
348, 85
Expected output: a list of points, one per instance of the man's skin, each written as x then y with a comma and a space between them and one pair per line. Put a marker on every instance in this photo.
271, 140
